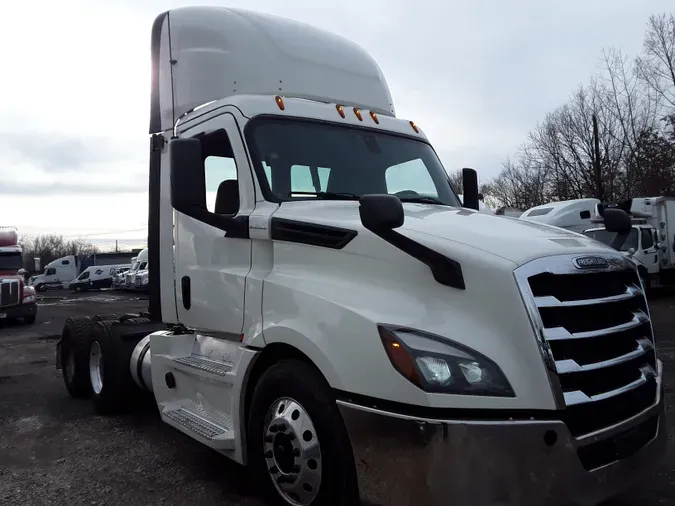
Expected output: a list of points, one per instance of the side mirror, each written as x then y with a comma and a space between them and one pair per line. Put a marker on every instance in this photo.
381, 212
617, 220
470, 181
188, 186
631, 252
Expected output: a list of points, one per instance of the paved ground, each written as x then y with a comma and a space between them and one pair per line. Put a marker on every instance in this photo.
54, 450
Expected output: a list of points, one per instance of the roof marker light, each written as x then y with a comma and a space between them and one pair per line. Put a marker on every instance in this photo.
375, 118
280, 102
412, 124
358, 113
340, 110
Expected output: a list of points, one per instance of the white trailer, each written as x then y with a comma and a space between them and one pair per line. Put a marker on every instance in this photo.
574, 215
368, 340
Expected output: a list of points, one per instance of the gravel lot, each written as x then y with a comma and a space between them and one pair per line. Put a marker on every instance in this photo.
55, 450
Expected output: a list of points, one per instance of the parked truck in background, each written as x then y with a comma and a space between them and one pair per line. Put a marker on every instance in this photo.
60, 273
651, 242
133, 278
17, 300
370, 341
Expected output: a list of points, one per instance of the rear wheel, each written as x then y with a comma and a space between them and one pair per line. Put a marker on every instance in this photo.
298, 445
112, 387
30, 319
75, 353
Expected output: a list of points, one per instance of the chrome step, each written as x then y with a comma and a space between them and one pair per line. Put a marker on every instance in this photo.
216, 430
204, 364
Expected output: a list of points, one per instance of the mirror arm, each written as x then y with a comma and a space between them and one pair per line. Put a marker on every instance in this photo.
235, 227
619, 240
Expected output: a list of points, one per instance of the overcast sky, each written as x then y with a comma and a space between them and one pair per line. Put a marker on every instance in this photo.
475, 75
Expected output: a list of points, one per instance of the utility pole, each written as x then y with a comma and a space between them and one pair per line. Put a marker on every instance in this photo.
117, 247
599, 190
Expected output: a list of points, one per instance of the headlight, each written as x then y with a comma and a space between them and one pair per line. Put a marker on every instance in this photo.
438, 365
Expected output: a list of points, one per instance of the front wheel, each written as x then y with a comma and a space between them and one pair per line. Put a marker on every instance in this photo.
298, 445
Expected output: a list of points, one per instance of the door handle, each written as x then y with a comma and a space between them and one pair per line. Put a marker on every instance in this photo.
185, 290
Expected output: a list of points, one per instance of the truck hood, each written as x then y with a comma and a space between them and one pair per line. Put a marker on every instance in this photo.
6, 275
510, 238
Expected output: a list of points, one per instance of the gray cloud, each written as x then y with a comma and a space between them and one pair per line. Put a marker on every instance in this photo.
58, 152
68, 188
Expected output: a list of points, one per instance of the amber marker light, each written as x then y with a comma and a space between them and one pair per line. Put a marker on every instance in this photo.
280, 102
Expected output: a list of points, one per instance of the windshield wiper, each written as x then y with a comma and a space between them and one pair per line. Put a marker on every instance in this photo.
329, 195
422, 200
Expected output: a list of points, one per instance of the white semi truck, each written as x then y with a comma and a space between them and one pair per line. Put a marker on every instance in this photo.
651, 242
349, 344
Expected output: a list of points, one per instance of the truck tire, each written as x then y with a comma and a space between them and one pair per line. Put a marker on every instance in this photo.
113, 389
293, 390
29, 320
75, 353
41, 288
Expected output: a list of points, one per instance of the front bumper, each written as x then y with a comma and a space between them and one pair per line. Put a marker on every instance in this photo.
19, 311
402, 460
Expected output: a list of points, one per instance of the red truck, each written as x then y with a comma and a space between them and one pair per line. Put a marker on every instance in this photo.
17, 300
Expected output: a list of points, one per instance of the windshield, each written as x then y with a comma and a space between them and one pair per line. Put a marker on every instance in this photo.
300, 159
606, 237
10, 261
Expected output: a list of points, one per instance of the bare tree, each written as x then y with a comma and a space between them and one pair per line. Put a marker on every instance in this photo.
49, 247
634, 108
656, 66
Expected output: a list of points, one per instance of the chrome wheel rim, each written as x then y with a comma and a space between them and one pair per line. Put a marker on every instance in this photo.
96, 367
292, 452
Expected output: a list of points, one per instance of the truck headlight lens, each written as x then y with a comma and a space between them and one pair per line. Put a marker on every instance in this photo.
438, 365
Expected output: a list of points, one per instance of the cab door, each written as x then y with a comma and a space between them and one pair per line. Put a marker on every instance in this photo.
649, 254
211, 264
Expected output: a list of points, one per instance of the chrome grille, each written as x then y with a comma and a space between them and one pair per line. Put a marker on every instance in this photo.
596, 338
9, 293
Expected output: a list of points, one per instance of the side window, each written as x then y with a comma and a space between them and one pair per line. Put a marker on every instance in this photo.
585, 215
647, 239
50, 272
304, 179
220, 174
85, 275
65, 262
412, 176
